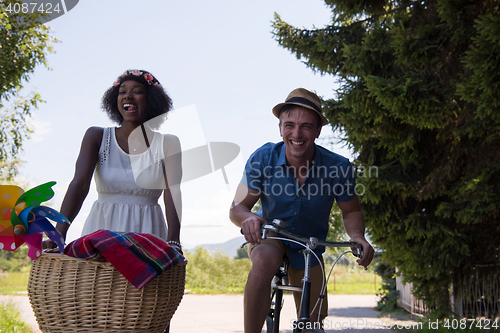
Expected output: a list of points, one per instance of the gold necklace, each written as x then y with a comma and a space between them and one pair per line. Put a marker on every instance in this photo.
126, 139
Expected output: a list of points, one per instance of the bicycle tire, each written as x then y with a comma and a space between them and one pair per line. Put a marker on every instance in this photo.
269, 324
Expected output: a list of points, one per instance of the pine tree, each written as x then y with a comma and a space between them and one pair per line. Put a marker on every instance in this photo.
418, 98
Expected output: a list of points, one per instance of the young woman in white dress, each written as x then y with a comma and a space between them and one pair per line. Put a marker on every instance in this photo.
133, 165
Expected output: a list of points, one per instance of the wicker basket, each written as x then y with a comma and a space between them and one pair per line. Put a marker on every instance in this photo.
76, 295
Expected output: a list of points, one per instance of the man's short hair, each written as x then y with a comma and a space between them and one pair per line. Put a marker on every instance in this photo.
287, 108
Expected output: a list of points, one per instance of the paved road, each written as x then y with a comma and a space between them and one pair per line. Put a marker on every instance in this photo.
224, 314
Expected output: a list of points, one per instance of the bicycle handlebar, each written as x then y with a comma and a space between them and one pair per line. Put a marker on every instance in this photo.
277, 226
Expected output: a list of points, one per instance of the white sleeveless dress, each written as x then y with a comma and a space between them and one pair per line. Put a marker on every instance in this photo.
122, 205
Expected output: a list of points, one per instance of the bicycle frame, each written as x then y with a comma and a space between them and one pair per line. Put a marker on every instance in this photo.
310, 244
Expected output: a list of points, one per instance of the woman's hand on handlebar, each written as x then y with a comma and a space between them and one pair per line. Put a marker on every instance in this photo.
48, 244
251, 229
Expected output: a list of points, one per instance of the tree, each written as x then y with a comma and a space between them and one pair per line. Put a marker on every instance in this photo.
418, 99
241, 253
24, 43
15, 261
336, 232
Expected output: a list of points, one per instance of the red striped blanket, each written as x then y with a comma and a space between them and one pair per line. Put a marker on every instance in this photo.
138, 257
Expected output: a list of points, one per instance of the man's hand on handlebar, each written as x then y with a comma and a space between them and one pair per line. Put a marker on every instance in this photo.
368, 251
251, 229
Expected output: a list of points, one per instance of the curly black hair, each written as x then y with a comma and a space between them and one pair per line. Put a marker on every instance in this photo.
158, 102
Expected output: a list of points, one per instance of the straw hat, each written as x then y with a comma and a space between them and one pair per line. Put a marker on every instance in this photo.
305, 98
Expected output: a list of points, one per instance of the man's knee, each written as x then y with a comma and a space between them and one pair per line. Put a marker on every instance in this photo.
266, 259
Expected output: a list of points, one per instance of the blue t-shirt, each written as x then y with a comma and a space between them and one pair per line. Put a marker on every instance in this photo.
306, 209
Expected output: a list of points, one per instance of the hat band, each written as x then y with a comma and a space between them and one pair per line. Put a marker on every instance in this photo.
305, 101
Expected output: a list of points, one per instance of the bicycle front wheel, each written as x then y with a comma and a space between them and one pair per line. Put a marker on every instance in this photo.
269, 324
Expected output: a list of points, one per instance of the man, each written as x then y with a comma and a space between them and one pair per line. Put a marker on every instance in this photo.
298, 182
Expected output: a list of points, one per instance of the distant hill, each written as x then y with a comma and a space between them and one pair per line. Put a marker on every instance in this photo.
228, 247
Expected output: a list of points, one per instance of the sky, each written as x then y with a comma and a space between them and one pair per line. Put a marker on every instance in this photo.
217, 60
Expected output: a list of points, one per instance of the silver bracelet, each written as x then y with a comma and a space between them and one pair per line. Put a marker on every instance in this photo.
175, 243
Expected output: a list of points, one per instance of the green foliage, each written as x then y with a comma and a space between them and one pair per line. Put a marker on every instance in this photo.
336, 233
418, 99
24, 44
15, 261
14, 270
389, 296
13, 283
217, 274
10, 321
242, 253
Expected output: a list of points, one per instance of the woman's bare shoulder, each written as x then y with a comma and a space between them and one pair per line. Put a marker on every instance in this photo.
171, 139
171, 144
93, 135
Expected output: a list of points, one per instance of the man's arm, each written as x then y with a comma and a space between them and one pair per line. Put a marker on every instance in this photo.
241, 213
354, 225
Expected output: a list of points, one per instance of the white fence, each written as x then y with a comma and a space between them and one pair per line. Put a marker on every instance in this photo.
475, 296
478, 295
407, 300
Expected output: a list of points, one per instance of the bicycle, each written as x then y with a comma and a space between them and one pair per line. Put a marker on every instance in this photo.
303, 323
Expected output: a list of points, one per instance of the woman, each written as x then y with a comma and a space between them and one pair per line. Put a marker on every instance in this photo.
133, 165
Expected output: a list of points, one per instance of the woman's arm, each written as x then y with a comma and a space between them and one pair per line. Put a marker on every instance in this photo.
84, 170
172, 193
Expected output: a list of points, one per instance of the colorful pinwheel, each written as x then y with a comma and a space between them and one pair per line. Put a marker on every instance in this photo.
22, 219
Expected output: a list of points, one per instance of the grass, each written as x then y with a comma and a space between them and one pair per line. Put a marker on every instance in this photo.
13, 283
344, 280
10, 321
219, 274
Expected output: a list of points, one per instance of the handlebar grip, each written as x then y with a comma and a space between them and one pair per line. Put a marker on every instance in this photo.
359, 251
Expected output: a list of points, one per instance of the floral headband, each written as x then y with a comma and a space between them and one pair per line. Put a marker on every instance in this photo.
148, 77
